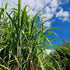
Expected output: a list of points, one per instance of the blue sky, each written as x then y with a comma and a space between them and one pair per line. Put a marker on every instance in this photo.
64, 26
57, 10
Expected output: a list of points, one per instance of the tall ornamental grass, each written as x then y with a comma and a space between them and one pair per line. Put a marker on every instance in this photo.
22, 40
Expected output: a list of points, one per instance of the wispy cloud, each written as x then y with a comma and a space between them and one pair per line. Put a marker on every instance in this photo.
63, 1
48, 23
48, 8
63, 15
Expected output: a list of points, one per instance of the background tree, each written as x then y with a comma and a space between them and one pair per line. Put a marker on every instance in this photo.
62, 55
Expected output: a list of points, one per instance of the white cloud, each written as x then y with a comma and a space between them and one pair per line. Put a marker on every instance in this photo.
63, 1
48, 51
63, 15
47, 24
53, 3
0, 3
48, 8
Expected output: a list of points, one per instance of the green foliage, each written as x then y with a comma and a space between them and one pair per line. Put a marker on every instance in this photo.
22, 42
62, 55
